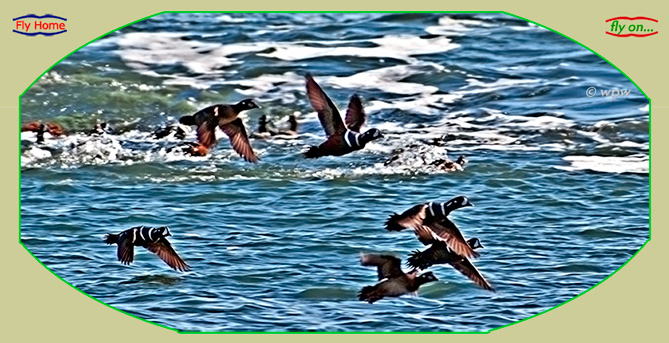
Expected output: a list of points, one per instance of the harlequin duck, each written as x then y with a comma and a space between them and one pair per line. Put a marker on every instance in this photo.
40, 129
451, 166
226, 118
153, 239
190, 148
341, 138
435, 217
393, 282
100, 129
440, 253
179, 131
265, 128
292, 127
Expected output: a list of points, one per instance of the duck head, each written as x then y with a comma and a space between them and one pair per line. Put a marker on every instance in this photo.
370, 135
164, 231
445, 208
426, 277
474, 243
246, 104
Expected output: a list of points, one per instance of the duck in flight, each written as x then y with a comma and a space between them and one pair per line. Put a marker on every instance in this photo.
342, 138
440, 253
153, 239
393, 282
434, 216
226, 117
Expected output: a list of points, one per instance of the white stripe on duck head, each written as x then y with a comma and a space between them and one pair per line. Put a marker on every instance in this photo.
443, 209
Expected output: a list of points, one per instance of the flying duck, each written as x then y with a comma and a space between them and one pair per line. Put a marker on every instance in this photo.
435, 217
440, 253
226, 118
40, 129
342, 138
153, 239
393, 282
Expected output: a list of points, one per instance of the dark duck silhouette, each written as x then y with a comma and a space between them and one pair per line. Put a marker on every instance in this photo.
40, 129
435, 217
341, 138
393, 282
440, 253
292, 127
265, 129
153, 239
226, 118
179, 131
100, 129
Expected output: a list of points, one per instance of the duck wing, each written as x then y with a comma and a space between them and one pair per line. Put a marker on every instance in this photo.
126, 250
387, 266
426, 236
355, 115
206, 128
164, 250
448, 232
411, 218
466, 267
239, 139
327, 112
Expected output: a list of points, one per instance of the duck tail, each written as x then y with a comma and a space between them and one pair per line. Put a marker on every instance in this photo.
187, 120
391, 223
313, 152
369, 294
417, 259
111, 238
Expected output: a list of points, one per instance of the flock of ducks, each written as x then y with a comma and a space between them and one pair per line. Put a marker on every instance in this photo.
429, 221
446, 245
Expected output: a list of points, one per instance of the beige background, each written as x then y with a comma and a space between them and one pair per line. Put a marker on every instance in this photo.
37, 306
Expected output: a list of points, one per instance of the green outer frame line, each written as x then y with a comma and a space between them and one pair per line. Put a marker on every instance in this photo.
352, 332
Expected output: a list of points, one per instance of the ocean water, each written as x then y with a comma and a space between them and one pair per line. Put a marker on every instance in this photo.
560, 180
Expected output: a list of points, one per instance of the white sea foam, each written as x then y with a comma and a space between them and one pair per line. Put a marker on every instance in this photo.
455, 27
226, 18
426, 104
386, 79
477, 86
401, 47
608, 164
142, 49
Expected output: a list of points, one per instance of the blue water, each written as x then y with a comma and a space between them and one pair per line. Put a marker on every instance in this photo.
559, 180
